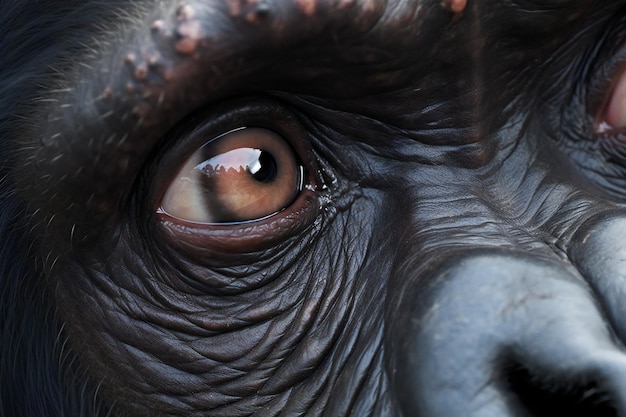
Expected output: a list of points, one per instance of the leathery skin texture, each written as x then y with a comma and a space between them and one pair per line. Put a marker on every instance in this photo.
384, 208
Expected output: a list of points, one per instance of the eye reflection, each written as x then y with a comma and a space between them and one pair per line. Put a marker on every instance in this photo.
244, 175
257, 163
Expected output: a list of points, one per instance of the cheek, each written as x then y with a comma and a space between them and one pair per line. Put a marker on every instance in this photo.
188, 337
189, 349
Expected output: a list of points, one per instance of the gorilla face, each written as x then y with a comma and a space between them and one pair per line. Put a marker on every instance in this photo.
313, 208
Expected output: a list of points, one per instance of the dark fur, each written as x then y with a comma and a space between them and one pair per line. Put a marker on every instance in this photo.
518, 214
37, 374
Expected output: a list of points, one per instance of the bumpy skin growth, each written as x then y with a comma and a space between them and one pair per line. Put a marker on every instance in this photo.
457, 247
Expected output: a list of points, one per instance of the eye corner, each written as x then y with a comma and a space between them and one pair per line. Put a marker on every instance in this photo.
608, 119
610, 113
605, 80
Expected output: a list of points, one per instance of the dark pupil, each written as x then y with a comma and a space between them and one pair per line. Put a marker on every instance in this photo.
266, 170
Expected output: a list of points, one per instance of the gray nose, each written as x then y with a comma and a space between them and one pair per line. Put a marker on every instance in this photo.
502, 334
599, 252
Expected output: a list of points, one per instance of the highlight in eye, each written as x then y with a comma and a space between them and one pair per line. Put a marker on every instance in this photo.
244, 175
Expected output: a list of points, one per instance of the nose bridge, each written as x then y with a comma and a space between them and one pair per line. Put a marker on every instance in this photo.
514, 197
487, 313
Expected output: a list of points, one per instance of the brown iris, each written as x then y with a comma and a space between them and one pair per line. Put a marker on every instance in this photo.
244, 175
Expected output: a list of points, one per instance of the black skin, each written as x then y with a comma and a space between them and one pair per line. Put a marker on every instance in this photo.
458, 248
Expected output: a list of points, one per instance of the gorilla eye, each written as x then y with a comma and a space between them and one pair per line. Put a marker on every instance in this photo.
614, 116
244, 175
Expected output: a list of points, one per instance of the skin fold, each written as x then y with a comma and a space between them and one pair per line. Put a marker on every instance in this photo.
454, 246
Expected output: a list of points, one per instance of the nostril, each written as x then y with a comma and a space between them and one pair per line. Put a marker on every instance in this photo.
504, 336
542, 397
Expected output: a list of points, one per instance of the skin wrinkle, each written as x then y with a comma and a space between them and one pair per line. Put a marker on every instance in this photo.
355, 372
336, 306
140, 314
272, 264
286, 337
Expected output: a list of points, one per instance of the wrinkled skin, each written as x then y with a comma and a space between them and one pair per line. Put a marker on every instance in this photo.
457, 249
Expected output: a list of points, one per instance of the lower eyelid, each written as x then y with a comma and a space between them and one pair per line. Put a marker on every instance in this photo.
201, 238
